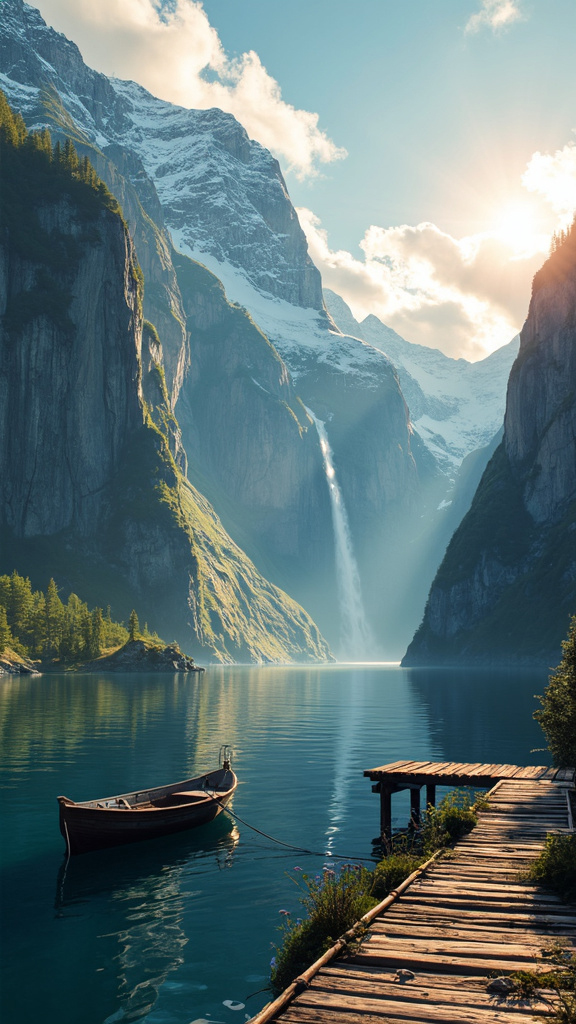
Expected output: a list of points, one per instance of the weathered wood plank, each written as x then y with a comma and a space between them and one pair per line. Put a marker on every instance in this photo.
394, 1010
419, 989
451, 963
442, 946
431, 929
497, 918
467, 916
315, 1015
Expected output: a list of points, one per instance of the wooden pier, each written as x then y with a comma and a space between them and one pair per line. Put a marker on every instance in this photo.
457, 922
413, 775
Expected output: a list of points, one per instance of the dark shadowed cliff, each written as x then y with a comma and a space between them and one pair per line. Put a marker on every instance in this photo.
507, 585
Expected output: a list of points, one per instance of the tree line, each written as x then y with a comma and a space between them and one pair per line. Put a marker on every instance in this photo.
38, 624
563, 237
24, 157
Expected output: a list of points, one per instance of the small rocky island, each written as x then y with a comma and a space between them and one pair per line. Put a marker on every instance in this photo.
39, 634
140, 655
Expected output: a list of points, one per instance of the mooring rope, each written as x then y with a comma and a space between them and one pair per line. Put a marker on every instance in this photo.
289, 846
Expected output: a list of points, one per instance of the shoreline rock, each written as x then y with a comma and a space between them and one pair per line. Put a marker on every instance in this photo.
12, 664
140, 655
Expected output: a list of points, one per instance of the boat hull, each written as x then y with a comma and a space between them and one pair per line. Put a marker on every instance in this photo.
97, 825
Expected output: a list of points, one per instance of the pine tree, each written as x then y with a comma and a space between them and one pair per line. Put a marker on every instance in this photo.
70, 156
557, 716
71, 643
4, 590
133, 626
85, 631
96, 640
54, 621
5, 633
36, 636
19, 606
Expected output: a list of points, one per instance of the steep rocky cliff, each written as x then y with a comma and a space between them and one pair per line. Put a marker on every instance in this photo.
237, 379
253, 449
209, 155
507, 585
90, 493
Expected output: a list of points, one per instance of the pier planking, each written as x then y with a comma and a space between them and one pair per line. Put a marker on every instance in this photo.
457, 923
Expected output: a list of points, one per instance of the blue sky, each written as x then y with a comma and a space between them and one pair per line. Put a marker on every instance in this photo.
439, 123
405, 130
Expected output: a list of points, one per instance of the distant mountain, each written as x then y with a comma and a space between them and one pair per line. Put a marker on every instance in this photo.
507, 585
456, 406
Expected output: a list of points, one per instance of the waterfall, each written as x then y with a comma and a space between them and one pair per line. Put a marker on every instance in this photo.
355, 638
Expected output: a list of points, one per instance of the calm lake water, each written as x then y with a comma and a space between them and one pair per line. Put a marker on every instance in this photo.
181, 930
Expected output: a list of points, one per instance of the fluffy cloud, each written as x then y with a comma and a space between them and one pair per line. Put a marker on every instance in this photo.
553, 176
178, 56
466, 296
496, 14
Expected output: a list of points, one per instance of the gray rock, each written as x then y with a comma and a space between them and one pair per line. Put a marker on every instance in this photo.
501, 986
403, 975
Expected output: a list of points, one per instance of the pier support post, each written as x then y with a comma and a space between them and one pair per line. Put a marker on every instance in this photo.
430, 796
385, 812
415, 805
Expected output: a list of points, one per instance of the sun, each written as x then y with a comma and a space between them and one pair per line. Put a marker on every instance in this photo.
517, 225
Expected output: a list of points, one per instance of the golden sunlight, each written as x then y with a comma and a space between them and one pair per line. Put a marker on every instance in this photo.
519, 226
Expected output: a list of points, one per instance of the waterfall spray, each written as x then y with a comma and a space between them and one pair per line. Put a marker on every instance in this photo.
355, 633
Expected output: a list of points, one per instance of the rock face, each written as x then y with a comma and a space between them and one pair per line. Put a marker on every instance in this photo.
253, 449
507, 585
209, 156
91, 494
60, 371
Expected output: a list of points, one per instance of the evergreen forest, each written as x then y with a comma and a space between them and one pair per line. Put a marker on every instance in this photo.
39, 625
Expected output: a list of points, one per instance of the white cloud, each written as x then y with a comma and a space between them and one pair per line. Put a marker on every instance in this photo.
178, 56
495, 14
465, 296
554, 178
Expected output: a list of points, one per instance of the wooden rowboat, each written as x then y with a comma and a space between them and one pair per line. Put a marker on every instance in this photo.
147, 813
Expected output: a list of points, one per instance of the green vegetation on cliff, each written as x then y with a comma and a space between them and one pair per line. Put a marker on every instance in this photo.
33, 172
24, 158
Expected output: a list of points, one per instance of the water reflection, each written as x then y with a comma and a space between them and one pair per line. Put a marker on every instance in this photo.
164, 930
144, 893
482, 714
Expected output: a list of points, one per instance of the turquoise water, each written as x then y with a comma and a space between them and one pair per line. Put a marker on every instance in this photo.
181, 930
